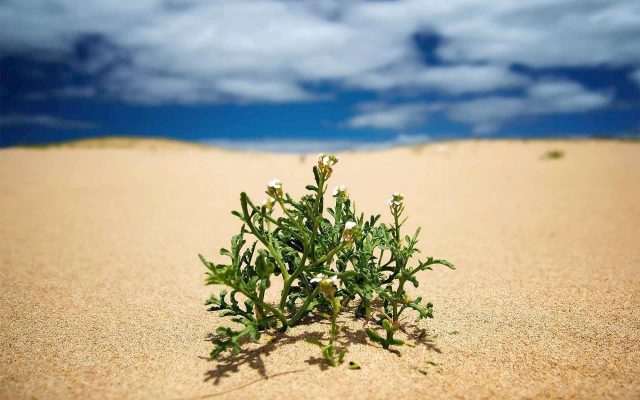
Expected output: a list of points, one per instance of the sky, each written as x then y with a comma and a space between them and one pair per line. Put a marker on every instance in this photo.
298, 75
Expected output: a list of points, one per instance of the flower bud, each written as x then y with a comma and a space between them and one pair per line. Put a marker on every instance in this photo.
396, 200
325, 164
348, 235
268, 203
327, 284
340, 191
274, 188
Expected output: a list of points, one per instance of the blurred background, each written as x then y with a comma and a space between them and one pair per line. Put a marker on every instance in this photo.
301, 75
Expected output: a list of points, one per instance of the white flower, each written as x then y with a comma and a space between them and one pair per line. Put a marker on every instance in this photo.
274, 187
348, 235
395, 200
325, 162
327, 159
327, 284
340, 191
324, 279
275, 184
319, 278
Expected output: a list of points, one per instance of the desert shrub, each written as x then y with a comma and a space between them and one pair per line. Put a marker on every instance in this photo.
554, 154
326, 257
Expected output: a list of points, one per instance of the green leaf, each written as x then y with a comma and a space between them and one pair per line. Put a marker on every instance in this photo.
387, 326
316, 175
341, 355
373, 335
264, 267
424, 312
353, 366
216, 351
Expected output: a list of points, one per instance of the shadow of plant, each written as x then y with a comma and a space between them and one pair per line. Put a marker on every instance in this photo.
255, 358
420, 336
228, 364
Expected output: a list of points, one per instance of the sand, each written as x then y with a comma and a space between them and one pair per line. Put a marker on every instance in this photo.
101, 291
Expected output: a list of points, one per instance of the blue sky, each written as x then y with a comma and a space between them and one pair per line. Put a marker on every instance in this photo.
301, 74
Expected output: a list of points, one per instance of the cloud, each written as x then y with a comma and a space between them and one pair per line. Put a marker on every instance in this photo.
455, 79
277, 51
194, 51
539, 34
487, 114
202, 52
385, 116
46, 121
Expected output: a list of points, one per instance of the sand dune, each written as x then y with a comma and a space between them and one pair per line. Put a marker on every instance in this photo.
101, 289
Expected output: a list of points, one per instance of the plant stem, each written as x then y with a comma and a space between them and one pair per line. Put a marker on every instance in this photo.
398, 294
308, 246
259, 308
335, 308
259, 302
254, 231
289, 281
302, 310
397, 226
399, 263
288, 214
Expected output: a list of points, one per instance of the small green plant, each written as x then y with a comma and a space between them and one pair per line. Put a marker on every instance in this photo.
554, 154
328, 286
326, 257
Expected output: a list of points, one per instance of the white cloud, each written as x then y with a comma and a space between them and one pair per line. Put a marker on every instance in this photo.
266, 90
455, 79
541, 33
547, 97
486, 114
385, 116
46, 121
203, 52
194, 51
212, 51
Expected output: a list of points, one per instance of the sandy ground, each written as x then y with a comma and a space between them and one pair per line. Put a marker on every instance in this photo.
101, 291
